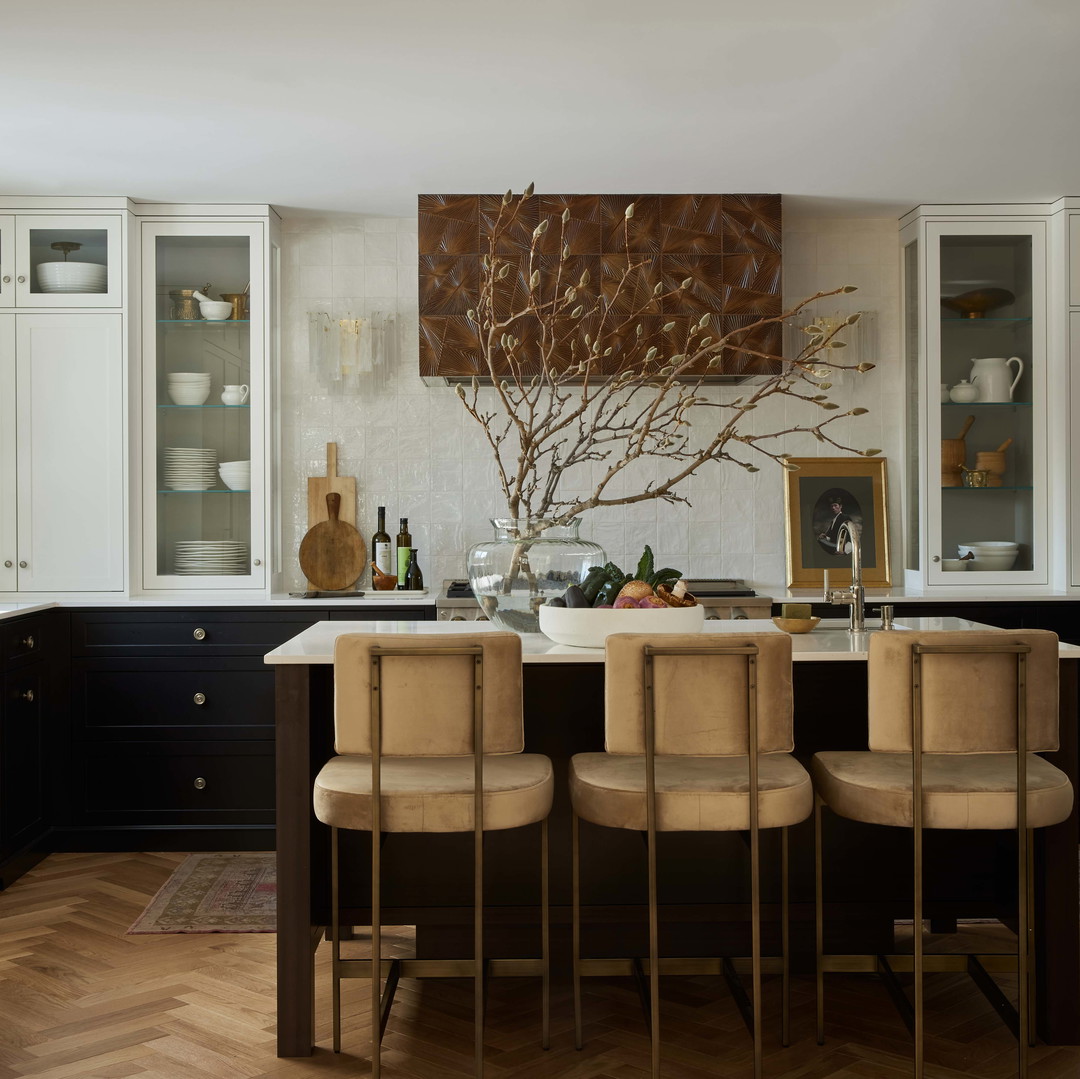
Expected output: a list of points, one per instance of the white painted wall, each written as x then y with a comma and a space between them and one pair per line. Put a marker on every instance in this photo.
413, 449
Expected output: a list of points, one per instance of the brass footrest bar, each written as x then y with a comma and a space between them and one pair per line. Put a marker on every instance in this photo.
442, 968
1004, 963
608, 968
387, 999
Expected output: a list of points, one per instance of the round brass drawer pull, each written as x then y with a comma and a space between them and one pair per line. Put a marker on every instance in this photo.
200, 783
28, 641
200, 698
27, 695
199, 634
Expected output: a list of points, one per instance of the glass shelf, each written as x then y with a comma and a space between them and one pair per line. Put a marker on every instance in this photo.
983, 490
981, 321
206, 491
191, 408
986, 404
209, 321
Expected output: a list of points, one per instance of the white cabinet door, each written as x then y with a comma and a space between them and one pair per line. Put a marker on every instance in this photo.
8, 537
70, 452
7, 261
69, 261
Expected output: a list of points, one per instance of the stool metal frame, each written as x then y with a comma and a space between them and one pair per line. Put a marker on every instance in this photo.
725, 966
979, 966
478, 968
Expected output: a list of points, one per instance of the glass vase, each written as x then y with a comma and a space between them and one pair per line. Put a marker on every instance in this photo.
529, 561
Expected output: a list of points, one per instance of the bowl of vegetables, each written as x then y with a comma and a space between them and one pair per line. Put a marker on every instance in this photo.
611, 601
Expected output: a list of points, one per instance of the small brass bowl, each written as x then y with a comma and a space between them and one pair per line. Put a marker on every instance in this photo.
976, 477
795, 625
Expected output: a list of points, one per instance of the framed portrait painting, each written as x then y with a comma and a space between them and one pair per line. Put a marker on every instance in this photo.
827, 498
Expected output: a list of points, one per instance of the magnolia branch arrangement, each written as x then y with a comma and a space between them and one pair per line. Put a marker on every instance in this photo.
577, 381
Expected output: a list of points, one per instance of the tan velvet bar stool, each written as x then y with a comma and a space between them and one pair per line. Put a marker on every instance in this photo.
409, 714
681, 715
956, 718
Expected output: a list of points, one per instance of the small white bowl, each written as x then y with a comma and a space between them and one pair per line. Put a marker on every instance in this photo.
188, 397
588, 627
951, 565
215, 310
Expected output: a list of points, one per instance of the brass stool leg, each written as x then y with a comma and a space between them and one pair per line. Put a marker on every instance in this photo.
755, 934
376, 958
335, 939
478, 951
1023, 928
819, 923
654, 955
1031, 938
785, 941
918, 944
575, 900
545, 937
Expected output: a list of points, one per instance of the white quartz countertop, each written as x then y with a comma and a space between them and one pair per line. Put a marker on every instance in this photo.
16, 610
830, 641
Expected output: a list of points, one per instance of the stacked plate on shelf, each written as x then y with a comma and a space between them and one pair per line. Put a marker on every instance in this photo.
187, 387
214, 558
236, 475
72, 277
190, 468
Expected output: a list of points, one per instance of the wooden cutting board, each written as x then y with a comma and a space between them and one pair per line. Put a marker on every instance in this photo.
332, 554
320, 486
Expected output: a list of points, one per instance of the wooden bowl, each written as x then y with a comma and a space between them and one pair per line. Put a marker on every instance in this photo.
795, 625
975, 304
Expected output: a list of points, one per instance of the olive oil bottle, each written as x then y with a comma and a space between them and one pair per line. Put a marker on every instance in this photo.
404, 545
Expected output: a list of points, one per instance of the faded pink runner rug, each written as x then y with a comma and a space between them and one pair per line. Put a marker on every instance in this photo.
215, 893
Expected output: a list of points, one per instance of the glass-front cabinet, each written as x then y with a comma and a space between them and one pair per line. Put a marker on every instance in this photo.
61, 260
204, 391
975, 349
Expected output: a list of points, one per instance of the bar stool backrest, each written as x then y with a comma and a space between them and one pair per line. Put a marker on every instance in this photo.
427, 700
969, 700
701, 701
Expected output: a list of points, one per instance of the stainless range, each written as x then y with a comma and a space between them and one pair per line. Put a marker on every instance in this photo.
722, 598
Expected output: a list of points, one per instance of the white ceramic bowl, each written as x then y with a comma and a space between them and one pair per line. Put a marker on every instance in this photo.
188, 396
993, 563
951, 565
72, 276
587, 627
215, 310
236, 483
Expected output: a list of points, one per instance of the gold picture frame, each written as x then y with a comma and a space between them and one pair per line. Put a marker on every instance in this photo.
813, 491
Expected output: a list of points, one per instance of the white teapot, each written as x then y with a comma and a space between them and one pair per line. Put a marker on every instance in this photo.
991, 377
234, 395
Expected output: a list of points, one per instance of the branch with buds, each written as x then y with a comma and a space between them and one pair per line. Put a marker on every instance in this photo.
611, 396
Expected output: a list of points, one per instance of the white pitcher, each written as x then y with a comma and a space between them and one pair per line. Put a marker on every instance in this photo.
991, 377
234, 395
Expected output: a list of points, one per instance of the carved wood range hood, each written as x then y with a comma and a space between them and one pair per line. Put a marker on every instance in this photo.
729, 246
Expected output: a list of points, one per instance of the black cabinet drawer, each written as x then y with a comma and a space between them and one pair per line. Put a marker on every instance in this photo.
384, 612
165, 783
179, 633
25, 638
148, 699
23, 770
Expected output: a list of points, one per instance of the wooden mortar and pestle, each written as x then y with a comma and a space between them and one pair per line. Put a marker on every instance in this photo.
953, 455
993, 461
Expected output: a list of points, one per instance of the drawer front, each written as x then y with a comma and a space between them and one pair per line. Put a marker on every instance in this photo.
137, 783
148, 700
25, 638
386, 612
182, 633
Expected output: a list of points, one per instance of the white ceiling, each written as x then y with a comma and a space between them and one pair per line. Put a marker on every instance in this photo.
855, 106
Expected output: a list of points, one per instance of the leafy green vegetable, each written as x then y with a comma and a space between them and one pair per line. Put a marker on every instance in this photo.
645, 566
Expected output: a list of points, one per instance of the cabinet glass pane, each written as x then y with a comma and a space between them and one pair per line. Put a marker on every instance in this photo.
987, 320
912, 433
69, 260
203, 444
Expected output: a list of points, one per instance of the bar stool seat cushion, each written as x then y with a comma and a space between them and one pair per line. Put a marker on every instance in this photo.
434, 794
963, 791
693, 794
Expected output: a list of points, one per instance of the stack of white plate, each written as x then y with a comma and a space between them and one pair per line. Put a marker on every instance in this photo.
72, 277
210, 557
991, 555
236, 475
188, 387
190, 468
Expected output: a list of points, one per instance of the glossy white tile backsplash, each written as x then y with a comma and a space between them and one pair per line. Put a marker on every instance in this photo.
413, 449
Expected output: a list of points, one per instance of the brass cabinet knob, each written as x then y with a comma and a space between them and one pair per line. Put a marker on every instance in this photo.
458, 618
7, 279
27, 695
8, 563
199, 698
713, 618
22, 565
21, 279
28, 641
200, 783
199, 634
482, 618
258, 561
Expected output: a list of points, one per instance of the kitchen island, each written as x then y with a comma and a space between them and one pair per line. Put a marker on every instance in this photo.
564, 715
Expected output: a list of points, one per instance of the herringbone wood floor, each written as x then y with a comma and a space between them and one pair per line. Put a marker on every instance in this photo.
80, 998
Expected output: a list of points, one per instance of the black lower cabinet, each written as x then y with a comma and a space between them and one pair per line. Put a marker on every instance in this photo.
30, 685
